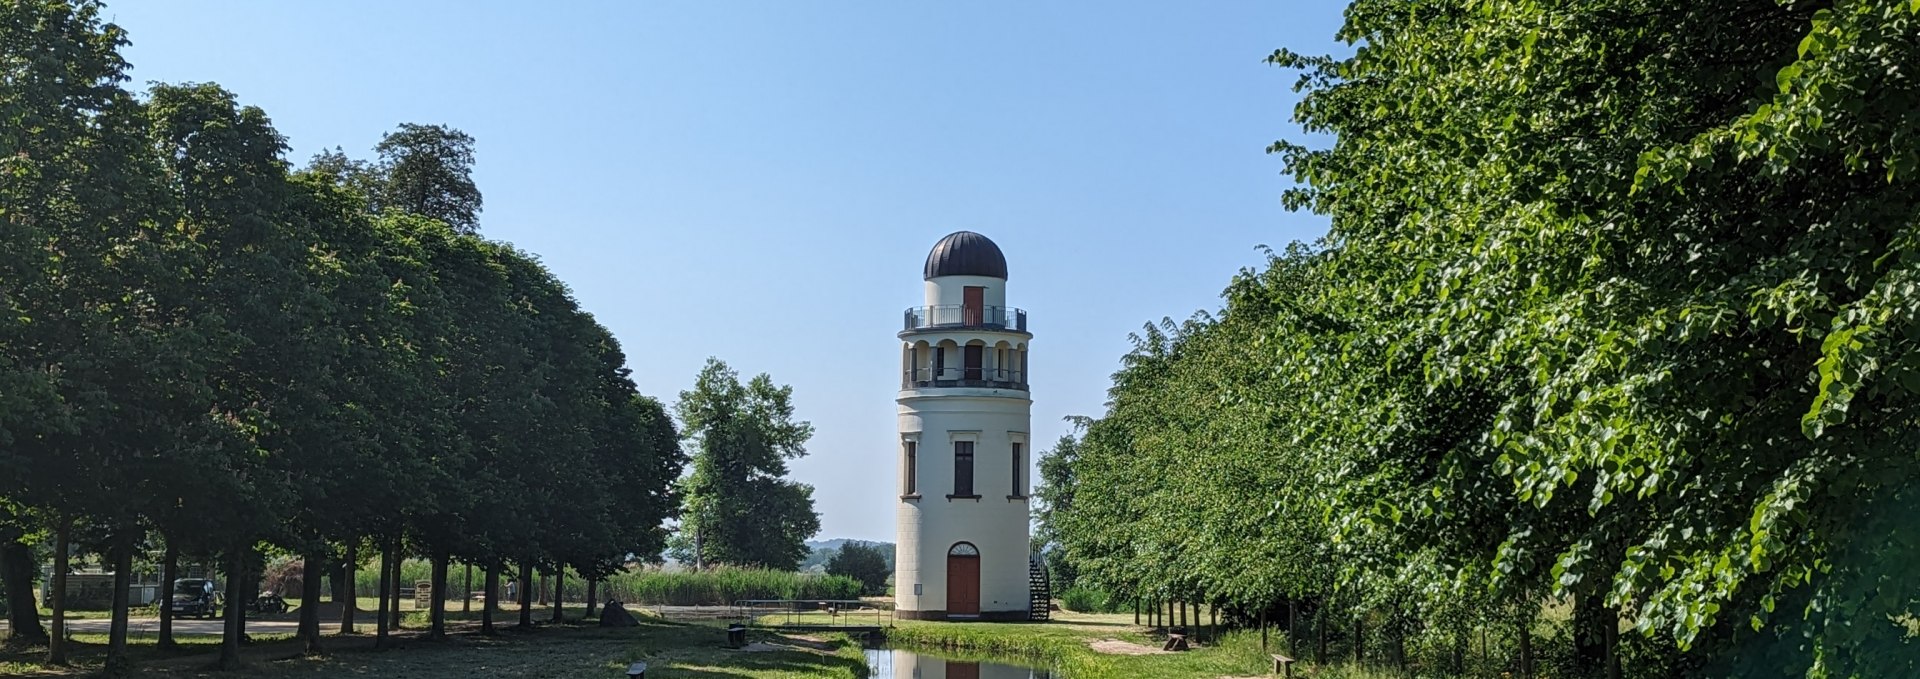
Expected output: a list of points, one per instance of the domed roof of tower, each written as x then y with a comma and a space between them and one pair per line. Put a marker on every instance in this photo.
965, 253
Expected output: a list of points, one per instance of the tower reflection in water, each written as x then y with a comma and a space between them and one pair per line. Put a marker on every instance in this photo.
893, 663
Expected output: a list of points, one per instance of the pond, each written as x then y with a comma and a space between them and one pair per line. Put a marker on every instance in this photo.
898, 663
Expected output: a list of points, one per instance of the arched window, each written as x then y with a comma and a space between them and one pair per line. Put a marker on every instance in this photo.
963, 549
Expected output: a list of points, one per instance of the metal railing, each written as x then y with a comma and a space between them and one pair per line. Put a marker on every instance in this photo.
812, 613
964, 377
963, 316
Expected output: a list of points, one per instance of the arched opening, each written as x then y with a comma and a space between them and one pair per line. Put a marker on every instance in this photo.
963, 579
1021, 367
945, 355
973, 359
919, 363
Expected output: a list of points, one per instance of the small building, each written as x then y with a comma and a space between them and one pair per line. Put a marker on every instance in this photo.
965, 414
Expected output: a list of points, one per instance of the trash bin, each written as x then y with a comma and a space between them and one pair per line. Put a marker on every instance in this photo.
736, 635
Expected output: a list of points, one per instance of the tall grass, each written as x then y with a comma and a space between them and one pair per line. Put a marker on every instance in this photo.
721, 586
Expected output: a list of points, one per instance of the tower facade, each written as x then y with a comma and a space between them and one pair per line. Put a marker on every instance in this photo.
965, 418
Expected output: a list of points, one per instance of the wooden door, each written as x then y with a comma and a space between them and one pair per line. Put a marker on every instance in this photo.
963, 584
971, 357
973, 304
957, 669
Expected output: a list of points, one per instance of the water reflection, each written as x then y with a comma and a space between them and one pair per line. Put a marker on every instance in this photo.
894, 663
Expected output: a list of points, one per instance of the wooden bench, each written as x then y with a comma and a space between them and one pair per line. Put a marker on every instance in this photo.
637, 670
1175, 642
1282, 665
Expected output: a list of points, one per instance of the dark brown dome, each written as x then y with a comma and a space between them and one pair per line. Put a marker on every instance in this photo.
965, 253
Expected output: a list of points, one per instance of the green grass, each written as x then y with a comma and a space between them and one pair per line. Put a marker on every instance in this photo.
1065, 644
674, 651
47, 614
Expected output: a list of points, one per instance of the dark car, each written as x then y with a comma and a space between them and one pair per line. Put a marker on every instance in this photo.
195, 597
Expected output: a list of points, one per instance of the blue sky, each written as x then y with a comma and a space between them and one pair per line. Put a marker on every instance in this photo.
761, 181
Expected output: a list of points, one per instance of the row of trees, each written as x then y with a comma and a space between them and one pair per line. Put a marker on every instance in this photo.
203, 347
1619, 310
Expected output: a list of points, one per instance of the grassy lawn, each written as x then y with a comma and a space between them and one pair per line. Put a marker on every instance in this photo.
671, 649
47, 613
1085, 646
1067, 643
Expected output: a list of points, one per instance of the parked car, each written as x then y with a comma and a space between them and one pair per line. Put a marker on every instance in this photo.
196, 597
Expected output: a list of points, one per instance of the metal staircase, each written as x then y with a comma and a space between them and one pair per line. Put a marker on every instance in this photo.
1041, 588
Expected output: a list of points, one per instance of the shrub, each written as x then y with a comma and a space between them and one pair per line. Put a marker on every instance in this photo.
1085, 600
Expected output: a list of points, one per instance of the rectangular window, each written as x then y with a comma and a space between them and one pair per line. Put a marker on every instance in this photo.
913, 467
1016, 470
963, 468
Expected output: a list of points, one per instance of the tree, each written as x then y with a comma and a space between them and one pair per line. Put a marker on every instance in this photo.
1054, 498
428, 171
864, 562
18, 572
739, 507
194, 340
1597, 320
1735, 261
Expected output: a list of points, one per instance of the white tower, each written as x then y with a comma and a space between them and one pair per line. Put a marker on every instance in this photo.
965, 414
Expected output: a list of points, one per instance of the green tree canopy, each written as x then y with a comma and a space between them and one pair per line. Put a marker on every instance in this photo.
864, 562
740, 509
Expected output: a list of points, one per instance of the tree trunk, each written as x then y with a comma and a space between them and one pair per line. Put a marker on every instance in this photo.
1526, 648
466, 591
491, 603
1460, 651
1293, 625
1359, 639
383, 617
526, 594
1320, 631
351, 598
236, 609
1263, 630
18, 571
122, 555
1589, 635
559, 589
169, 571
310, 575
57, 597
399, 573
437, 599
1136, 612
593, 584
1612, 631
340, 578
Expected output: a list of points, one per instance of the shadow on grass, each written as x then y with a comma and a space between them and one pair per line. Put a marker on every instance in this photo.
670, 649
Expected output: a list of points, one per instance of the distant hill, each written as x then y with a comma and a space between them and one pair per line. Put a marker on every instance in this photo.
824, 549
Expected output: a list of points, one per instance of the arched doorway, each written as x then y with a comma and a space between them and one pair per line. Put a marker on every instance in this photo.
963, 579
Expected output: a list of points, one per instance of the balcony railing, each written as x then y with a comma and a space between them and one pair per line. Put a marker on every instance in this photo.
984, 378
962, 316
